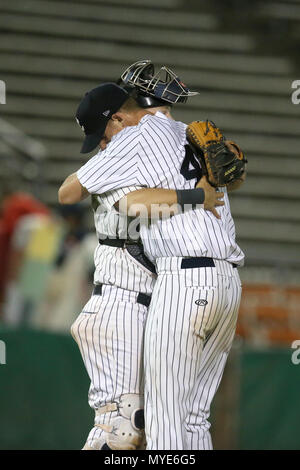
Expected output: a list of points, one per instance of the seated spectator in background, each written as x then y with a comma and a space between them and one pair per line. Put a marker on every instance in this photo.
49, 265
33, 247
14, 206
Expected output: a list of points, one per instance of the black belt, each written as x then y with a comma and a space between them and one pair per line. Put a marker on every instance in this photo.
143, 299
116, 242
134, 248
200, 262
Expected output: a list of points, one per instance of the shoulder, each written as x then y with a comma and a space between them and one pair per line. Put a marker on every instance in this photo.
159, 119
159, 124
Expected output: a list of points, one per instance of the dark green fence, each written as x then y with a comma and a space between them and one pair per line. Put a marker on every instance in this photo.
43, 392
43, 396
269, 411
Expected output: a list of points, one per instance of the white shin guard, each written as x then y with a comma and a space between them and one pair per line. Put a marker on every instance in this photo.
124, 431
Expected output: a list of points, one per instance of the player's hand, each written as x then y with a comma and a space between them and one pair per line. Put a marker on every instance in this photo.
232, 148
213, 198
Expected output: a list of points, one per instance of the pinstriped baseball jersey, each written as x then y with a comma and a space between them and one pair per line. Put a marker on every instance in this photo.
147, 155
153, 154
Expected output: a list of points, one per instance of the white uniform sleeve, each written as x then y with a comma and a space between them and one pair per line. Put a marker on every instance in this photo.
113, 168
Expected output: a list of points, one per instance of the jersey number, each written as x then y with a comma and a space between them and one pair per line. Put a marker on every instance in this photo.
190, 159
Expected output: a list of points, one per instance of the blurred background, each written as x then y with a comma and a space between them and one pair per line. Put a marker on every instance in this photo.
242, 56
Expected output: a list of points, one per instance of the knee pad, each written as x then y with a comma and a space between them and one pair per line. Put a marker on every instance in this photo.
124, 431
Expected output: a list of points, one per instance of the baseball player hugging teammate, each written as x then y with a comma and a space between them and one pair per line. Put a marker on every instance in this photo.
145, 158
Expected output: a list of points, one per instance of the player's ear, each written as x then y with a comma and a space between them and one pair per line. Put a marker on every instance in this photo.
118, 116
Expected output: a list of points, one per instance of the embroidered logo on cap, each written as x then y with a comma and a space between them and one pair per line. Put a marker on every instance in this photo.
106, 113
82, 127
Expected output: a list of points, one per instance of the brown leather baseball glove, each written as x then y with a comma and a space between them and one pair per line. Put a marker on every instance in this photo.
222, 161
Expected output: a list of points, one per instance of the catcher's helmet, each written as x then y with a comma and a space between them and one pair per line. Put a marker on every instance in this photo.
154, 89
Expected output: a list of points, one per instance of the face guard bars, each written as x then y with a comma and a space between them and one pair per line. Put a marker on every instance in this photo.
164, 84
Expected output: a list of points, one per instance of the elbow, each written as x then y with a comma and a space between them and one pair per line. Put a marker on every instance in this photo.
64, 197
61, 197
71, 191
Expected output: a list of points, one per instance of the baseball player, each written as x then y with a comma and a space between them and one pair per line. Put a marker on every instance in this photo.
109, 331
193, 311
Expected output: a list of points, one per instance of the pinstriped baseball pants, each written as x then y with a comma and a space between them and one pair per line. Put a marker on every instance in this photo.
109, 332
189, 332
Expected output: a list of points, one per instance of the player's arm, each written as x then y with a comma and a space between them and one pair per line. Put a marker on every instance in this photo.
103, 172
147, 197
167, 202
72, 191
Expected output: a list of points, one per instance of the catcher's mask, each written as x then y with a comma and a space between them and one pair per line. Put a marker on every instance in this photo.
154, 89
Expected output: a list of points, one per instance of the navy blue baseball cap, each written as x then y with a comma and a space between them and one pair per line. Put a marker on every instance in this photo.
95, 110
